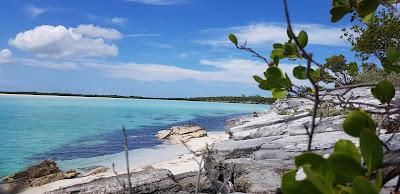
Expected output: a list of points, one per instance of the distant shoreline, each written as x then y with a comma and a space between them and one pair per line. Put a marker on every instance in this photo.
222, 99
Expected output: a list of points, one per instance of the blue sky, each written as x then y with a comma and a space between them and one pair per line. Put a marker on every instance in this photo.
158, 48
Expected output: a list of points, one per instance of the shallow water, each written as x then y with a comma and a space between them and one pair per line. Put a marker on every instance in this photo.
70, 129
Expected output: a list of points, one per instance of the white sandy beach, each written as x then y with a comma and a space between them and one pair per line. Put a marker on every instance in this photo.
175, 158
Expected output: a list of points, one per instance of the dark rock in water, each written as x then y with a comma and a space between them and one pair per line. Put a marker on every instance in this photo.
146, 181
42, 169
42, 173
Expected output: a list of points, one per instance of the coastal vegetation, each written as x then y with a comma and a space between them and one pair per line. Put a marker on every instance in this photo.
347, 169
257, 99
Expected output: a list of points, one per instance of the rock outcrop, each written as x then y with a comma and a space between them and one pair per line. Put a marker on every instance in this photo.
37, 175
262, 148
146, 181
181, 133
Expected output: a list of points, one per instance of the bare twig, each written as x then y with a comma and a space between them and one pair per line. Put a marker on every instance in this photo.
122, 183
127, 159
199, 163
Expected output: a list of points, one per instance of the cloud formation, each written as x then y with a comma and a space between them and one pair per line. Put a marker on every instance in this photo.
159, 2
263, 33
119, 20
35, 11
6, 56
230, 70
61, 42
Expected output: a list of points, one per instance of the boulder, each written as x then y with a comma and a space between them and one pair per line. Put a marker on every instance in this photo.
42, 173
177, 134
70, 174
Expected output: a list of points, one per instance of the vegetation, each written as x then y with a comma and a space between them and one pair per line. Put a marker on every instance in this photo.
372, 74
373, 40
228, 99
347, 169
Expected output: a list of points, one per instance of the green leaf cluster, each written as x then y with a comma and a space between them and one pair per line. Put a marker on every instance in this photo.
365, 9
347, 169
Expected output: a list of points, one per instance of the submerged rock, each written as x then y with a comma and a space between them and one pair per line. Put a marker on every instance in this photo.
177, 134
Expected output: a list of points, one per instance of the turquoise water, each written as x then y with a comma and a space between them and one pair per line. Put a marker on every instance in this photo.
33, 128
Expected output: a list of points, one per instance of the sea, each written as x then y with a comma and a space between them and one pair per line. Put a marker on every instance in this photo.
82, 131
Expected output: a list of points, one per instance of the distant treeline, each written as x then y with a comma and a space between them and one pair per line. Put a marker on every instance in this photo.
229, 99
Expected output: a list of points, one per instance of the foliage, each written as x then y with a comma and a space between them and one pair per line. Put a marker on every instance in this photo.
371, 74
328, 110
348, 169
379, 39
343, 72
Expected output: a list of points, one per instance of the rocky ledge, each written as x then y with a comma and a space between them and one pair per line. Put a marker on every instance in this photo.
262, 148
37, 175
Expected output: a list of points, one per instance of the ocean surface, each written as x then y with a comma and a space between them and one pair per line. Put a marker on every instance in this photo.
76, 131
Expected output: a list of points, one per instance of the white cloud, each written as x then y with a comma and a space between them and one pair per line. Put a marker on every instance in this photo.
118, 20
60, 65
98, 32
159, 2
62, 42
6, 56
231, 70
262, 33
35, 11
140, 35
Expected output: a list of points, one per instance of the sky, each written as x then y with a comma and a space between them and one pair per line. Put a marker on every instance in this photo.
156, 48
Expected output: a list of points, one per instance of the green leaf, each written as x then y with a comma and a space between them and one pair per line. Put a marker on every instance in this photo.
368, 17
347, 148
277, 45
291, 51
279, 52
338, 12
276, 60
257, 78
345, 168
365, 7
285, 83
392, 55
318, 170
384, 91
291, 186
318, 180
356, 121
264, 85
371, 150
378, 180
361, 185
339, 2
300, 72
302, 39
279, 93
233, 39
275, 72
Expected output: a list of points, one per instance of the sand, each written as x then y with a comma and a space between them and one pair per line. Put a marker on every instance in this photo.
175, 158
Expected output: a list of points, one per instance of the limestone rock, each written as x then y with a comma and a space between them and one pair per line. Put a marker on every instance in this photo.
177, 134
146, 181
47, 179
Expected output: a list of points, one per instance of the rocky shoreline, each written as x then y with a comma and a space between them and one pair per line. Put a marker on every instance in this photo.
259, 150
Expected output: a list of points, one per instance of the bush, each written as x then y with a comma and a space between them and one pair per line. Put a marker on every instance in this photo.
372, 74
